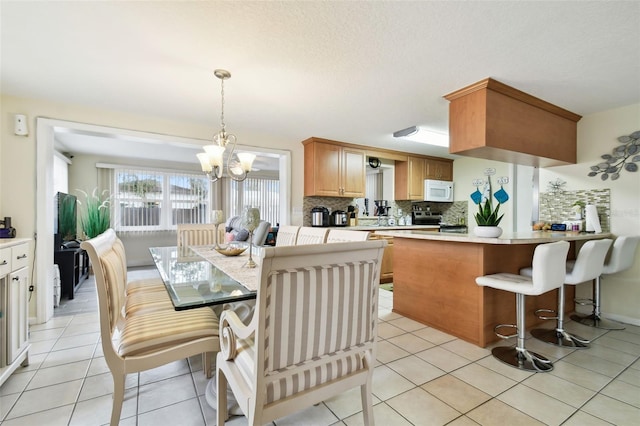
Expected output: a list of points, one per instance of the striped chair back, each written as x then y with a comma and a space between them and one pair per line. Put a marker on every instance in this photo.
196, 234
287, 235
311, 235
344, 235
318, 305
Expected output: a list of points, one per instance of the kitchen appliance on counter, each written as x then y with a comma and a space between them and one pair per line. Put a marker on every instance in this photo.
6, 231
438, 190
420, 217
382, 207
320, 216
339, 218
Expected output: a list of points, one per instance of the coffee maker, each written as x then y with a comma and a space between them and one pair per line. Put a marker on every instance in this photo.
6, 231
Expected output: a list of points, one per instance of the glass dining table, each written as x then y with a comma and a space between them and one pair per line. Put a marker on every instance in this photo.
193, 281
194, 278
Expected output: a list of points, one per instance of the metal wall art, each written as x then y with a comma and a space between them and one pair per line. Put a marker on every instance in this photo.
624, 157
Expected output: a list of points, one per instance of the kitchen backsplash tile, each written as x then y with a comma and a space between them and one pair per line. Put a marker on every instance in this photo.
452, 213
556, 207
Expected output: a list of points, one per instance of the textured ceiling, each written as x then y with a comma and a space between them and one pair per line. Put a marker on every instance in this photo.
350, 71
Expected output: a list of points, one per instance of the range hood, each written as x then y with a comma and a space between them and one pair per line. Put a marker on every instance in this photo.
491, 120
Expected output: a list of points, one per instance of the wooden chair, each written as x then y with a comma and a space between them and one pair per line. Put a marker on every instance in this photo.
142, 340
197, 234
311, 235
287, 235
312, 335
345, 235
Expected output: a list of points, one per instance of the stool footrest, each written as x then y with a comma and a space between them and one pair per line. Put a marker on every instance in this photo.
551, 311
505, 336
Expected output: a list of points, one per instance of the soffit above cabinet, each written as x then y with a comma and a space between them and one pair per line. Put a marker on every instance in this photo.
494, 121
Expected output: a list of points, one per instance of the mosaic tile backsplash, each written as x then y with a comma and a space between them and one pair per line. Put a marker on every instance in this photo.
556, 207
452, 213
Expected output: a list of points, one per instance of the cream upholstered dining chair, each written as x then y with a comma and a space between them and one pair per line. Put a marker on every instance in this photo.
311, 235
142, 340
196, 234
344, 235
312, 335
287, 235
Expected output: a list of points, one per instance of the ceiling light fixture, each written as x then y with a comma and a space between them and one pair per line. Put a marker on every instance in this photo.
418, 134
212, 160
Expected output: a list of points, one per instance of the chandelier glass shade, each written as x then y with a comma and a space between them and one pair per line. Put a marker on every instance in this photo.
212, 160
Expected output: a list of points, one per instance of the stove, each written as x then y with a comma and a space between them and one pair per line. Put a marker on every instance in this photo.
425, 218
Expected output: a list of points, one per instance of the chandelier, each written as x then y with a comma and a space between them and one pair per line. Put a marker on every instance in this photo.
212, 159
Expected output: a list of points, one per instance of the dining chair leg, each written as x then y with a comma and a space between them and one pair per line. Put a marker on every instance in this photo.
221, 400
118, 398
367, 404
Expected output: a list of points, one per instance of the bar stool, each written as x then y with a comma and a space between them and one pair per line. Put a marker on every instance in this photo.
548, 273
622, 256
587, 266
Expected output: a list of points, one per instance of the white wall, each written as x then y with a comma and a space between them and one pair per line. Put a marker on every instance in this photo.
597, 135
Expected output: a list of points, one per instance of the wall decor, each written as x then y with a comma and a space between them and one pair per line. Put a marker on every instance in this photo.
624, 157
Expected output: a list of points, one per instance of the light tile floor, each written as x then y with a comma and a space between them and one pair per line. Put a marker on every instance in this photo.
423, 377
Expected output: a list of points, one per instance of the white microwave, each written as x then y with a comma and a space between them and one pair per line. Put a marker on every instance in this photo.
438, 190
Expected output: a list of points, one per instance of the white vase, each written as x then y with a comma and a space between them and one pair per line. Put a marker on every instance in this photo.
487, 231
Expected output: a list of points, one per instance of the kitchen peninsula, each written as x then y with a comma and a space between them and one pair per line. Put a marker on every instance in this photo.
434, 279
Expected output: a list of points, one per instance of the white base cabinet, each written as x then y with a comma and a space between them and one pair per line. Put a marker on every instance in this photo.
15, 262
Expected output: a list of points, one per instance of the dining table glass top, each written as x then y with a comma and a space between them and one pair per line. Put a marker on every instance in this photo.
192, 281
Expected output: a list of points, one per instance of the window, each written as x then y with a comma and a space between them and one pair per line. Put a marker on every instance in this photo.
147, 200
260, 192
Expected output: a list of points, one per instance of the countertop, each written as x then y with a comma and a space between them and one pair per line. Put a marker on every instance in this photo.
533, 237
8, 242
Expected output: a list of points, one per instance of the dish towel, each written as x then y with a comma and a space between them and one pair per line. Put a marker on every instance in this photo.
592, 219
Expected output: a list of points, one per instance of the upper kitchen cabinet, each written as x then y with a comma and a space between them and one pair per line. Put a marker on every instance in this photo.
332, 169
410, 175
439, 169
409, 179
494, 121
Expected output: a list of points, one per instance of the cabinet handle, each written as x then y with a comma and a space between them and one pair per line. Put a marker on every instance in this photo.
4, 262
16, 279
24, 256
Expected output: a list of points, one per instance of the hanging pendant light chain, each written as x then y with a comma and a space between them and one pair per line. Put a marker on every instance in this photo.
222, 103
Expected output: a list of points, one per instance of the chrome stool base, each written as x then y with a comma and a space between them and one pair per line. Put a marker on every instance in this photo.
522, 359
597, 322
560, 338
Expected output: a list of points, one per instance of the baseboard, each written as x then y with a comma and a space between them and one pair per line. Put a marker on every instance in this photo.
621, 318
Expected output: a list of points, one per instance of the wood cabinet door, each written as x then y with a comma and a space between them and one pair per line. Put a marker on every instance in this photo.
415, 179
439, 170
353, 173
17, 315
326, 170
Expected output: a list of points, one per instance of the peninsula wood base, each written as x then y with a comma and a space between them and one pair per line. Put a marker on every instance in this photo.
434, 283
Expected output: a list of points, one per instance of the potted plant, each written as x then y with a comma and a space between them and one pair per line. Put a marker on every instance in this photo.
95, 215
488, 218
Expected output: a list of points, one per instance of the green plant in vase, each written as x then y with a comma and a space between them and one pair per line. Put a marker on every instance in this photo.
487, 215
95, 215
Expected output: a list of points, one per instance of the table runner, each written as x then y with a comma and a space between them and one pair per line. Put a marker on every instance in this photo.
231, 265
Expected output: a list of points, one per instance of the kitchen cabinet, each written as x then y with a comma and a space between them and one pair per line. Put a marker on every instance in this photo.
386, 269
409, 179
491, 120
15, 262
439, 169
333, 170
410, 175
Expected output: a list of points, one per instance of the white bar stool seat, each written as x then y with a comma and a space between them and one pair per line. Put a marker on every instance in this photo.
548, 273
586, 267
623, 254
